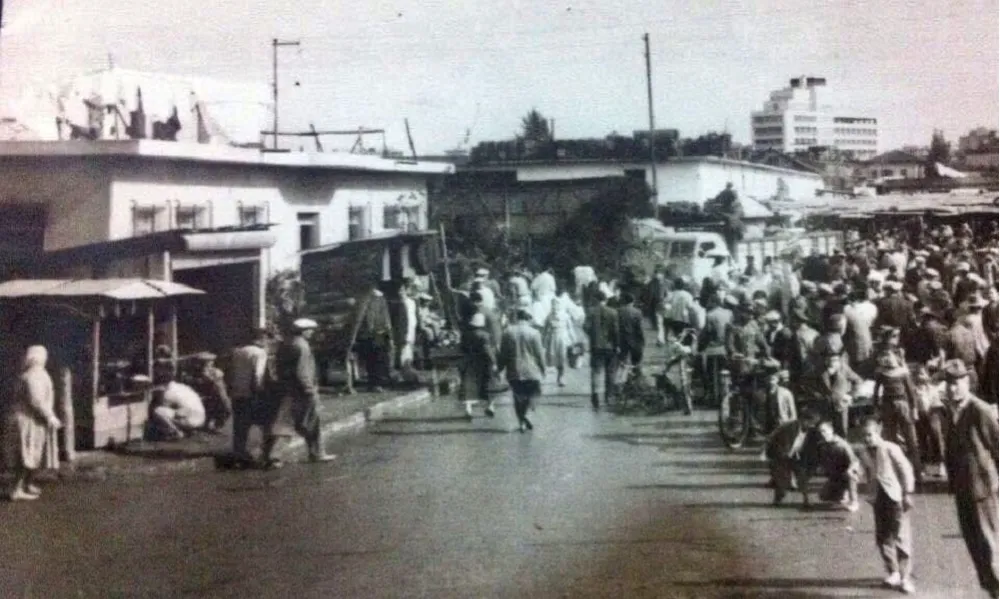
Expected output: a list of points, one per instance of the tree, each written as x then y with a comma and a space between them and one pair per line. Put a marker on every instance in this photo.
535, 127
940, 152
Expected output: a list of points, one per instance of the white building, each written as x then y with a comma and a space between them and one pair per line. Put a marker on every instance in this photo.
218, 218
803, 115
691, 179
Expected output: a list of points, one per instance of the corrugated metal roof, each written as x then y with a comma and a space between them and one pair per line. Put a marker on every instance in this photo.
116, 289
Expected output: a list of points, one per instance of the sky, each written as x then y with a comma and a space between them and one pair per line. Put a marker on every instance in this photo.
451, 66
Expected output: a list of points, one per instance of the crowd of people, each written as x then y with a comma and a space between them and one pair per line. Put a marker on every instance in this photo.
902, 325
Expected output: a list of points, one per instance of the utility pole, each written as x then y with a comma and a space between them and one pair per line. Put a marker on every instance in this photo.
275, 44
652, 127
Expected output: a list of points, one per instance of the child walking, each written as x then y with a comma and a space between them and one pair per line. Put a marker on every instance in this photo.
891, 482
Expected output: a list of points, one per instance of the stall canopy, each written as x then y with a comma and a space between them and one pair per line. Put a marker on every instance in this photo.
113, 289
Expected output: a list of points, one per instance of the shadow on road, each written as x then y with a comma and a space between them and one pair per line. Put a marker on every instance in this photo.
728, 465
460, 431
785, 585
695, 487
457, 418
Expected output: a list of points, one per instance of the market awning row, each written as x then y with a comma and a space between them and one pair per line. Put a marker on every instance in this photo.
115, 289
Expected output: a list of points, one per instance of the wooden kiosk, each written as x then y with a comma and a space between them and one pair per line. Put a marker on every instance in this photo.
99, 333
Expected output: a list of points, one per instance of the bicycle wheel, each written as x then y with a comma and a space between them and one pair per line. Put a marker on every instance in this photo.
734, 420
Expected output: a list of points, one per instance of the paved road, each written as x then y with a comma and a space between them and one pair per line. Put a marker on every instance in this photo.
428, 505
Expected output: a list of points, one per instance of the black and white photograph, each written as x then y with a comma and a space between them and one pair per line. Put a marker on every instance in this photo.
499, 299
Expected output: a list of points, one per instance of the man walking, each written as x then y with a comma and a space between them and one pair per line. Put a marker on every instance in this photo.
247, 372
297, 408
601, 326
890, 482
523, 358
373, 339
972, 471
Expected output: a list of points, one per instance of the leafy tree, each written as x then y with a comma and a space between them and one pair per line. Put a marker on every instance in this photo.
535, 127
940, 152
710, 144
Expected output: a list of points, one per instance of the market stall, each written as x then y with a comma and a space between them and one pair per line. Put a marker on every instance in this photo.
100, 333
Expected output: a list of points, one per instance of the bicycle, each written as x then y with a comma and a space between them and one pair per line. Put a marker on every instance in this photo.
740, 409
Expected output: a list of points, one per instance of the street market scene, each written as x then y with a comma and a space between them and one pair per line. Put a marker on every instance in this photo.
248, 348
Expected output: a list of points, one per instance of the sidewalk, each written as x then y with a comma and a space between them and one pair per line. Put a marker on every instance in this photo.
339, 414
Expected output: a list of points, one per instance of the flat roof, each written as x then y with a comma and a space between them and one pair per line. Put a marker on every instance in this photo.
632, 164
219, 154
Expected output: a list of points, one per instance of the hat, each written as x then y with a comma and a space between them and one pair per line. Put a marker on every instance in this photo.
953, 370
304, 324
205, 356
886, 331
963, 266
932, 273
936, 285
771, 366
921, 253
894, 285
920, 259
478, 320
933, 248
829, 345
731, 300
825, 288
482, 272
423, 295
927, 311
772, 316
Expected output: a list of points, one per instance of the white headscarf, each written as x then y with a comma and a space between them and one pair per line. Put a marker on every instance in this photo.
35, 357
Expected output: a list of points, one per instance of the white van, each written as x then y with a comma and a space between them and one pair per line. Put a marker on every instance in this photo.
687, 252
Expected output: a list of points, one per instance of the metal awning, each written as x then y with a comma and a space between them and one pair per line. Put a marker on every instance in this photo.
114, 289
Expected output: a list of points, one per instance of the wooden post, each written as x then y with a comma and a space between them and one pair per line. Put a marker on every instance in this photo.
150, 333
95, 361
173, 334
66, 414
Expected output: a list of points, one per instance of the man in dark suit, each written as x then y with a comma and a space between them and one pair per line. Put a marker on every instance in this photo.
601, 326
631, 338
831, 390
972, 471
895, 310
779, 338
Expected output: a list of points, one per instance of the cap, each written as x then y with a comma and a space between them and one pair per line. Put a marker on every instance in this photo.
932, 273
963, 267
482, 272
825, 288
829, 345
894, 285
423, 295
953, 370
886, 331
929, 312
921, 253
731, 300
772, 316
205, 356
936, 285
808, 285
303, 324
771, 366
920, 259
478, 320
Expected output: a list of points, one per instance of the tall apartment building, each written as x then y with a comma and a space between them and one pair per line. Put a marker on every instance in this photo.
802, 116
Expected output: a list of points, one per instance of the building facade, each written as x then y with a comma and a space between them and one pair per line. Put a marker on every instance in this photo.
980, 149
802, 116
893, 165
109, 208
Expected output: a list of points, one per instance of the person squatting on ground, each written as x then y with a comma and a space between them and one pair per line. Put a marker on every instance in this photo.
296, 405
30, 425
478, 365
179, 410
842, 469
891, 486
522, 357
791, 452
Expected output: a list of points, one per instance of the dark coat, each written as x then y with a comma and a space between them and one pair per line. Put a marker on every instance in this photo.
895, 311
631, 336
972, 451
295, 391
601, 326
717, 322
782, 343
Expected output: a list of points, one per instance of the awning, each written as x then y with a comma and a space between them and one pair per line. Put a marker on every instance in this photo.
115, 289
219, 241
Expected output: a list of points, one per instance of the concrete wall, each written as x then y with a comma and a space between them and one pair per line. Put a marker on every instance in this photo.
698, 181
74, 191
282, 194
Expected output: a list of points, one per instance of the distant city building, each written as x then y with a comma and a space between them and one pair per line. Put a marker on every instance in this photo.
893, 165
980, 149
801, 116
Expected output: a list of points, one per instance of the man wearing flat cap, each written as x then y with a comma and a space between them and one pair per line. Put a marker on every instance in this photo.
894, 309
601, 327
831, 389
210, 383
971, 461
295, 370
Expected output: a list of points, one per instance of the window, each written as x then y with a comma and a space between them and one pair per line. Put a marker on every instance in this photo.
903, 173
887, 172
189, 217
148, 219
251, 215
404, 218
682, 249
308, 230
357, 223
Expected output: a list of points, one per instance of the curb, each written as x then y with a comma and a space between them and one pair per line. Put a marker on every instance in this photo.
358, 420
